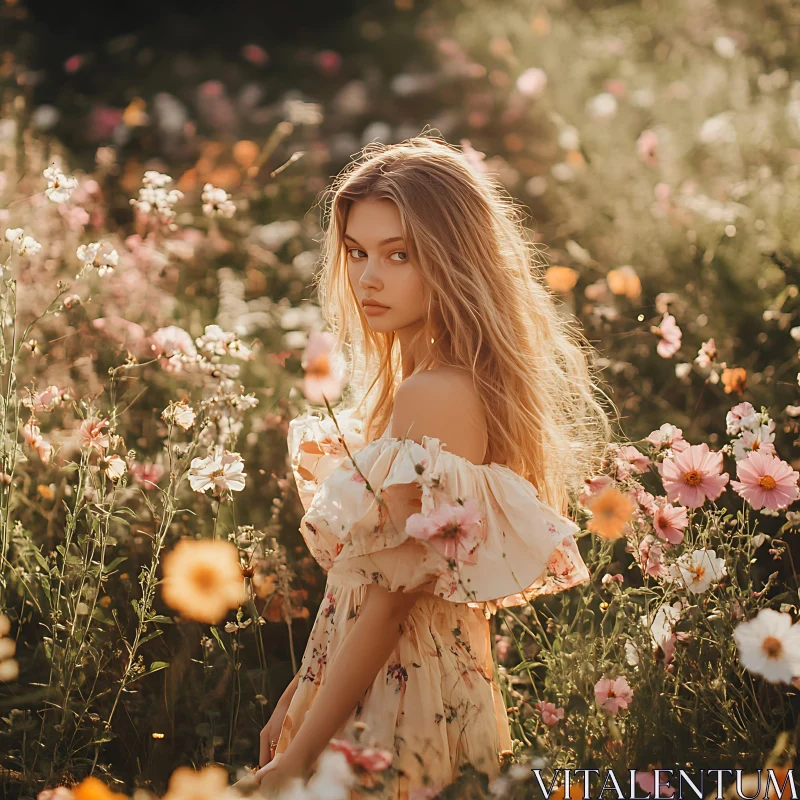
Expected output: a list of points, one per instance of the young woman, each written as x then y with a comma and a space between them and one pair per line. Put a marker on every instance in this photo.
484, 397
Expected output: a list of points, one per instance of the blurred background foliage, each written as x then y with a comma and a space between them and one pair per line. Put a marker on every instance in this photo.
656, 146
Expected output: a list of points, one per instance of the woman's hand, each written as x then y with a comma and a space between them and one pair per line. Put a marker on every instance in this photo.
272, 730
276, 775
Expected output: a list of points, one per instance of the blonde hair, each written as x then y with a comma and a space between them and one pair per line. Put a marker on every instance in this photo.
487, 312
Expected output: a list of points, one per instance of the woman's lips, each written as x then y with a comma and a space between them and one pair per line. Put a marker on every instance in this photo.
371, 310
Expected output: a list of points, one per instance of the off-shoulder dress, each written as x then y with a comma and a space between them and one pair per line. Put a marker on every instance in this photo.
435, 705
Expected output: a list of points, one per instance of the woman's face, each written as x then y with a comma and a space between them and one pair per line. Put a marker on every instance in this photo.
380, 270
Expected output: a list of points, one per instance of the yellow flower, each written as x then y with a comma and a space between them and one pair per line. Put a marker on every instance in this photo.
203, 579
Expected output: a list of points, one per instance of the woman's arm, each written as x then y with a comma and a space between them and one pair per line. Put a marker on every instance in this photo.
365, 650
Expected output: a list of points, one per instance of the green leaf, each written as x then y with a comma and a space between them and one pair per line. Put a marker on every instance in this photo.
157, 666
115, 563
215, 634
149, 636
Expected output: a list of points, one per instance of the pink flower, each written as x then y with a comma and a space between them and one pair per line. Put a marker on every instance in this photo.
369, 758
502, 645
255, 54
550, 714
669, 522
670, 335
455, 530
632, 456
706, 354
329, 61
668, 435
322, 379
91, 436
645, 500
766, 480
147, 474
33, 437
594, 486
647, 148
531, 82
612, 695
693, 475
173, 345
651, 555
375, 760
742, 417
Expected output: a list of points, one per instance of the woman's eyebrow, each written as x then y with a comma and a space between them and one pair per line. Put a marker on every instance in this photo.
381, 243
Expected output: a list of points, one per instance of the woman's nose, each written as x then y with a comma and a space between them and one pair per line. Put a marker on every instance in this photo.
369, 277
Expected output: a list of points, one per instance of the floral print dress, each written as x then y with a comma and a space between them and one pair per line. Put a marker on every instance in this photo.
415, 517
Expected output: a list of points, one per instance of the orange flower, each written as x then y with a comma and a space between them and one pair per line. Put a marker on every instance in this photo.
575, 791
95, 789
734, 380
624, 281
561, 279
612, 510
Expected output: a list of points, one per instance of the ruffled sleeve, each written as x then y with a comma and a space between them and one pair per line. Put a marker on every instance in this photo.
413, 517
316, 450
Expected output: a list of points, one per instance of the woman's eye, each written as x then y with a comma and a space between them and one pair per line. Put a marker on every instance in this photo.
354, 248
400, 252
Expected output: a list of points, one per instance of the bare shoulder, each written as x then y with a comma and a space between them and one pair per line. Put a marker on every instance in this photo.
444, 405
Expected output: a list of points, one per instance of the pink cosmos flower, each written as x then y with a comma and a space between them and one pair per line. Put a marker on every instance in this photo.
612, 695
172, 345
645, 500
148, 474
638, 461
669, 522
706, 354
742, 417
33, 437
670, 335
550, 714
693, 475
668, 435
455, 530
766, 480
651, 555
92, 436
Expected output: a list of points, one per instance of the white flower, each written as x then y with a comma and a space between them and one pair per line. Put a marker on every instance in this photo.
769, 645
217, 202
89, 255
59, 186
216, 341
23, 245
154, 200
115, 467
602, 105
699, 569
761, 438
180, 413
718, 129
725, 46
220, 471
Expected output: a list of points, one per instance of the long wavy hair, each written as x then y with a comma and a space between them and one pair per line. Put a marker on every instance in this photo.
488, 312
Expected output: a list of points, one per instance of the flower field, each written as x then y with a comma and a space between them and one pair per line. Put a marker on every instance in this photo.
159, 332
